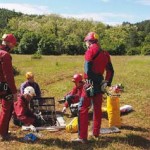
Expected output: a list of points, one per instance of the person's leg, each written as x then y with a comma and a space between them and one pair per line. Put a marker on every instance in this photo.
97, 114
83, 116
71, 100
5, 116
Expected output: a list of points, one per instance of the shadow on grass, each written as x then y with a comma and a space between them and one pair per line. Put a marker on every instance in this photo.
102, 142
12, 138
126, 127
69, 145
104, 115
138, 141
126, 113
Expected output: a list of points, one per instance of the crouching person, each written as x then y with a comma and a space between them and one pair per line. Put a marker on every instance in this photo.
72, 98
22, 114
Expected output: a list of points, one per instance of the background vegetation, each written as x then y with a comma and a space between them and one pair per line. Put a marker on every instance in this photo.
55, 35
54, 73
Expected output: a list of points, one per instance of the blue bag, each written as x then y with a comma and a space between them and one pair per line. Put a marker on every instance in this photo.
30, 137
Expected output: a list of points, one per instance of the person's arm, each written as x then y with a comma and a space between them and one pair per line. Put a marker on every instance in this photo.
8, 72
21, 112
109, 71
77, 94
22, 87
71, 93
38, 91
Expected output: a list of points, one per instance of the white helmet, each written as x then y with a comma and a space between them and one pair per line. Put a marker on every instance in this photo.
29, 90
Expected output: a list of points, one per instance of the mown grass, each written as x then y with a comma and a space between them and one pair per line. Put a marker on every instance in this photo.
54, 73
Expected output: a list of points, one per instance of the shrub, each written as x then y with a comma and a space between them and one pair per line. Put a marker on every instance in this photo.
37, 55
146, 50
134, 51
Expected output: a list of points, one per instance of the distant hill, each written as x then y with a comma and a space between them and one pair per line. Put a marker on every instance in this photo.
5, 15
55, 35
144, 26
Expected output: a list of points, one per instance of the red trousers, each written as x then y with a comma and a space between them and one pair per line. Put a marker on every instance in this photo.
5, 116
84, 104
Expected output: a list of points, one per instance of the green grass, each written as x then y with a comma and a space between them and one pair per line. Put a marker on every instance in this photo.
54, 73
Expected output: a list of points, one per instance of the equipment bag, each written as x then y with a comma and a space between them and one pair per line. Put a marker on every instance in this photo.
113, 111
72, 127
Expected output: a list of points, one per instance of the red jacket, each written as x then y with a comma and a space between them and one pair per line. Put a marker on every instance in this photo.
76, 93
96, 66
23, 112
6, 69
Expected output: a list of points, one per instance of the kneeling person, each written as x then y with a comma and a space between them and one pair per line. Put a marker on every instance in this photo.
22, 114
72, 98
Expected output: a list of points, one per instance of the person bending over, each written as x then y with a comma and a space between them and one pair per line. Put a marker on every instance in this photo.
22, 114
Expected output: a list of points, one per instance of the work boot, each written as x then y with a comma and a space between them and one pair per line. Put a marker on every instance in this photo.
5, 138
78, 140
1, 138
94, 137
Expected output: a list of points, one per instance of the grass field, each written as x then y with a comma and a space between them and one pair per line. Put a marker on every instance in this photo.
54, 73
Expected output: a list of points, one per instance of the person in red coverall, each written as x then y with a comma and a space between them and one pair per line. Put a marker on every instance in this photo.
22, 114
8, 91
96, 62
73, 96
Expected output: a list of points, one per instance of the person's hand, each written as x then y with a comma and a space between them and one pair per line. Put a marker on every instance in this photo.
104, 86
33, 129
74, 105
64, 109
15, 97
37, 115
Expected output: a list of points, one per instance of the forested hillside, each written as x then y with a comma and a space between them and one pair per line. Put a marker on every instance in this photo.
55, 35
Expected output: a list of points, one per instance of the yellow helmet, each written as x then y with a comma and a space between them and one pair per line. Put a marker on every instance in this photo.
29, 75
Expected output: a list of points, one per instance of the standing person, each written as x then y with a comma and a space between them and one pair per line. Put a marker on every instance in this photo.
73, 96
8, 91
96, 62
30, 82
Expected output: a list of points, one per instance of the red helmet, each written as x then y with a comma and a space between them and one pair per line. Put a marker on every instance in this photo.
91, 36
77, 78
9, 38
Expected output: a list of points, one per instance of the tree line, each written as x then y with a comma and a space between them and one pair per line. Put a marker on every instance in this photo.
55, 35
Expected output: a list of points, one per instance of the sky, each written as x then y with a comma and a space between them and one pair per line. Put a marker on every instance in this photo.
111, 12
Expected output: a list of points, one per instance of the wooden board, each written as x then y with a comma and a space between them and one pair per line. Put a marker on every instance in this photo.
109, 130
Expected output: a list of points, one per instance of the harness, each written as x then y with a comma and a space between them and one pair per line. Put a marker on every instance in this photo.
92, 87
96, 54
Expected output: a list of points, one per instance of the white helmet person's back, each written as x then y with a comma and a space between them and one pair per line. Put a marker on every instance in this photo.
29, 90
